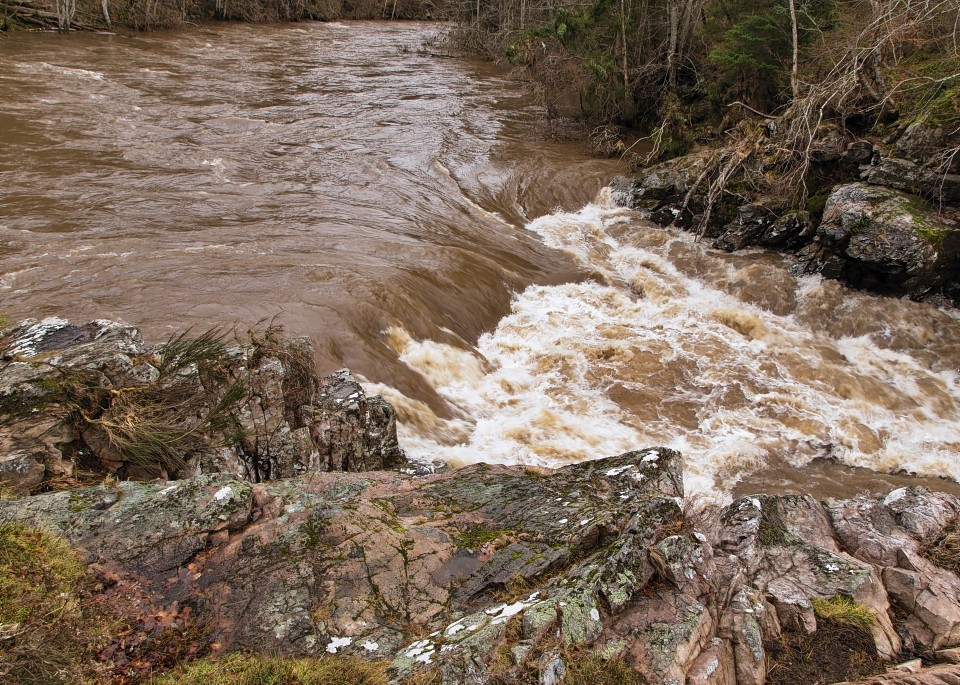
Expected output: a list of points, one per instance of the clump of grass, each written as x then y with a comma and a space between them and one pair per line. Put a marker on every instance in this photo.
582, 665
590, 668
156, 424
515, 589
47, 631
248, 669
944, 550
844, 611
430, 675
299, 378
182, 351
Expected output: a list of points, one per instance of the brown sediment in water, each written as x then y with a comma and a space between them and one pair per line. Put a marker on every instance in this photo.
378, 200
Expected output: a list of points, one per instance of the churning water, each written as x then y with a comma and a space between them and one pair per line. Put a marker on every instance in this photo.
399, 209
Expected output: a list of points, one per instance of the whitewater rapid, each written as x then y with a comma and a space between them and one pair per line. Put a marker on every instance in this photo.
727, 358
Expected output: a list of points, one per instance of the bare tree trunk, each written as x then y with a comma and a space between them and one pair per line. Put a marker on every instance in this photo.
106, 13
673, 18
65, 11
795, 64
623, 36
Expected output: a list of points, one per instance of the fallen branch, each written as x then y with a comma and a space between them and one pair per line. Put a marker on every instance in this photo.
751, 109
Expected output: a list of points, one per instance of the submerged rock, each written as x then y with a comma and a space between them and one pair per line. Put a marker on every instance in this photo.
95, 399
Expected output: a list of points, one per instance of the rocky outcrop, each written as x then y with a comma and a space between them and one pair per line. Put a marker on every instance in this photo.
493, 573
890, 223
884, 240
94, 400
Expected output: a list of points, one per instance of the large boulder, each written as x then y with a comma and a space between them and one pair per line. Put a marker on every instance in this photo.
362, 563
884, 240
664, 185
95, 399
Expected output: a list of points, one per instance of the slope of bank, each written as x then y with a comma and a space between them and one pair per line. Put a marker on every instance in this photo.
486, 574
882, 216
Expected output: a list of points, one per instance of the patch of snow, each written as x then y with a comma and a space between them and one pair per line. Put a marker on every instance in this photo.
617, 470
223, 493
594, 614
895, 496
370, 646
511, 610
27, 343
418, 648
338, 642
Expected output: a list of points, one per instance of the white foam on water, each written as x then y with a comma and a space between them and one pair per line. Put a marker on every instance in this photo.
72, 71
649, 355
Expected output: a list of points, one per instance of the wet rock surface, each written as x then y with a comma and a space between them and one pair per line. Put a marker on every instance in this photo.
891, 222
885, 240
502, 574
91, 400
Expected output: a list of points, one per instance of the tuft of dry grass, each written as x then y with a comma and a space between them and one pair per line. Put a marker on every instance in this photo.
47, 630
430, 675
944, 551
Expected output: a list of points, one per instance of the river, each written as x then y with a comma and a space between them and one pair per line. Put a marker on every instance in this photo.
403, 210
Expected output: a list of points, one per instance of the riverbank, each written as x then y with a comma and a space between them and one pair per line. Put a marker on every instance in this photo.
107, 15
486, 574
878, 214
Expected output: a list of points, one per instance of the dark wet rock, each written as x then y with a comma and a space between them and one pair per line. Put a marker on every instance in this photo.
890, 224
859, 152
663, 185
751, 223
902, 174
95, 398
886, 241
922, 140
765, 222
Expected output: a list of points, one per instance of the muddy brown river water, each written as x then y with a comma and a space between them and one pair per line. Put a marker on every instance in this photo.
402, 210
